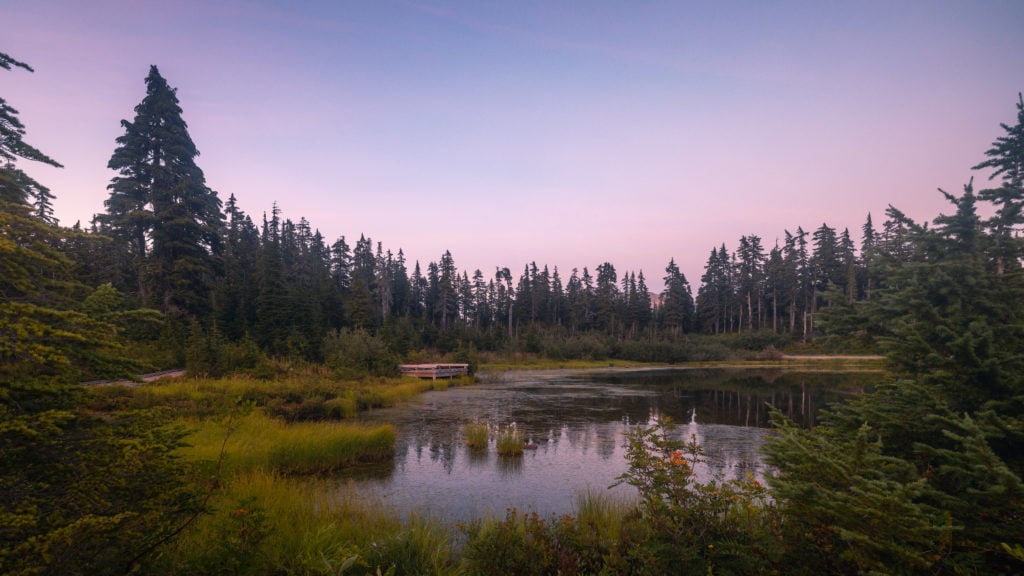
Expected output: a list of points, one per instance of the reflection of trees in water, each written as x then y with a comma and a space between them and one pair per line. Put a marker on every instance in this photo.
736, 397
745, 408
438, 448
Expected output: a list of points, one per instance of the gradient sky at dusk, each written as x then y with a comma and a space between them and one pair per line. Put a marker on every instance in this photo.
566, 133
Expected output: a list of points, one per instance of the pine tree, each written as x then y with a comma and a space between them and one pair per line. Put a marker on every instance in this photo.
160, 205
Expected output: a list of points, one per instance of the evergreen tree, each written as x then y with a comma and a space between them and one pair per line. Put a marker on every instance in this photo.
606, 296
235, 299
1006, 159
776, 284
160, 205
642, 307
273, 317
750, 277
677, 301
80, 494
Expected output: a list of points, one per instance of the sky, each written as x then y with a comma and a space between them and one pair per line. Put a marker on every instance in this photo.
566, 133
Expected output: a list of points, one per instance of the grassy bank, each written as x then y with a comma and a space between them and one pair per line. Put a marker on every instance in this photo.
265, 523
312, 395
255, 442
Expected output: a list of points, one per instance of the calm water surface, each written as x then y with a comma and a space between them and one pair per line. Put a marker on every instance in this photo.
577, 421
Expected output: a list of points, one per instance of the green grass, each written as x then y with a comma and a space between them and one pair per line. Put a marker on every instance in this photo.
256, 442
265, 523
509, 442
476, 435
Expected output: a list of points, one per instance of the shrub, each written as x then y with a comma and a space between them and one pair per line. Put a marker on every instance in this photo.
357, 354
728, 527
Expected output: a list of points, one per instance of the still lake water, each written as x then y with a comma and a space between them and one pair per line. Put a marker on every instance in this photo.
577, 420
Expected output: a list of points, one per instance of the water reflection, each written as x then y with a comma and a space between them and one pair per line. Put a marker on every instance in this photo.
577, 423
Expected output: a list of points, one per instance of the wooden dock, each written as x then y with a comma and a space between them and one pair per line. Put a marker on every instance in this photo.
434, 371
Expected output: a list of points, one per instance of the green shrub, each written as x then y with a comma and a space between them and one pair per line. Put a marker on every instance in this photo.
357, 354
714, 527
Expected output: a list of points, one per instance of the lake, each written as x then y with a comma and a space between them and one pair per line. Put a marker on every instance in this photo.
576, 419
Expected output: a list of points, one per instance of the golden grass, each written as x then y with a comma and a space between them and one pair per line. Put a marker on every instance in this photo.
257, 442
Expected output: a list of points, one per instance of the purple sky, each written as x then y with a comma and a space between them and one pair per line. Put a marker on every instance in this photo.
566, 133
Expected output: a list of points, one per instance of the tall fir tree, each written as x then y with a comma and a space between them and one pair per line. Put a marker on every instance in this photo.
160, 205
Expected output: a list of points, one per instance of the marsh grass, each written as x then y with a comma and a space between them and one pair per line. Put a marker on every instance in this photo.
306, 395
509, 441
476, 435
257, 442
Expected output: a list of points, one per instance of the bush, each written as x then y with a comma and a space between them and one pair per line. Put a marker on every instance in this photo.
357, 354
714, 527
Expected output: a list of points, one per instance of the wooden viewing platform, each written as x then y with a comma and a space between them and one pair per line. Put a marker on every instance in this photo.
434, 371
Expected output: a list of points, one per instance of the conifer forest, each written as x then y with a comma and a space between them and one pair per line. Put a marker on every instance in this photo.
278, 327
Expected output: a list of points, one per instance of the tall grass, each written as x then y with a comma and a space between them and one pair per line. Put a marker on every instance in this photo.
257, 442
602, 513
509, 442
476, 435
265, 523
308, 395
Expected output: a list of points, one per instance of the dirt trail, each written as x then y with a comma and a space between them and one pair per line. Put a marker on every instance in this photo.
152, 376
832, 357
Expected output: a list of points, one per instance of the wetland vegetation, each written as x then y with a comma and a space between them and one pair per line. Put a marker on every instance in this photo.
288, 342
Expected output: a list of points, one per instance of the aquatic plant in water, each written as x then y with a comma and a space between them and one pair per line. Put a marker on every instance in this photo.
510, 441
476, 435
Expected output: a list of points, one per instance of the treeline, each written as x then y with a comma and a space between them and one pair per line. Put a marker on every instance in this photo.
229, 285
166, 242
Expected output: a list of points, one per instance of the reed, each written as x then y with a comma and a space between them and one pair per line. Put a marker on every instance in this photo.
509, 442
476, 435
257, 442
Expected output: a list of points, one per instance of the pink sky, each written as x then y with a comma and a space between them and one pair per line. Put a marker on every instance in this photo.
568, 133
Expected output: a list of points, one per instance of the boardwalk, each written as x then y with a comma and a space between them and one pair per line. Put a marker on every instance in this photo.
434, 371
